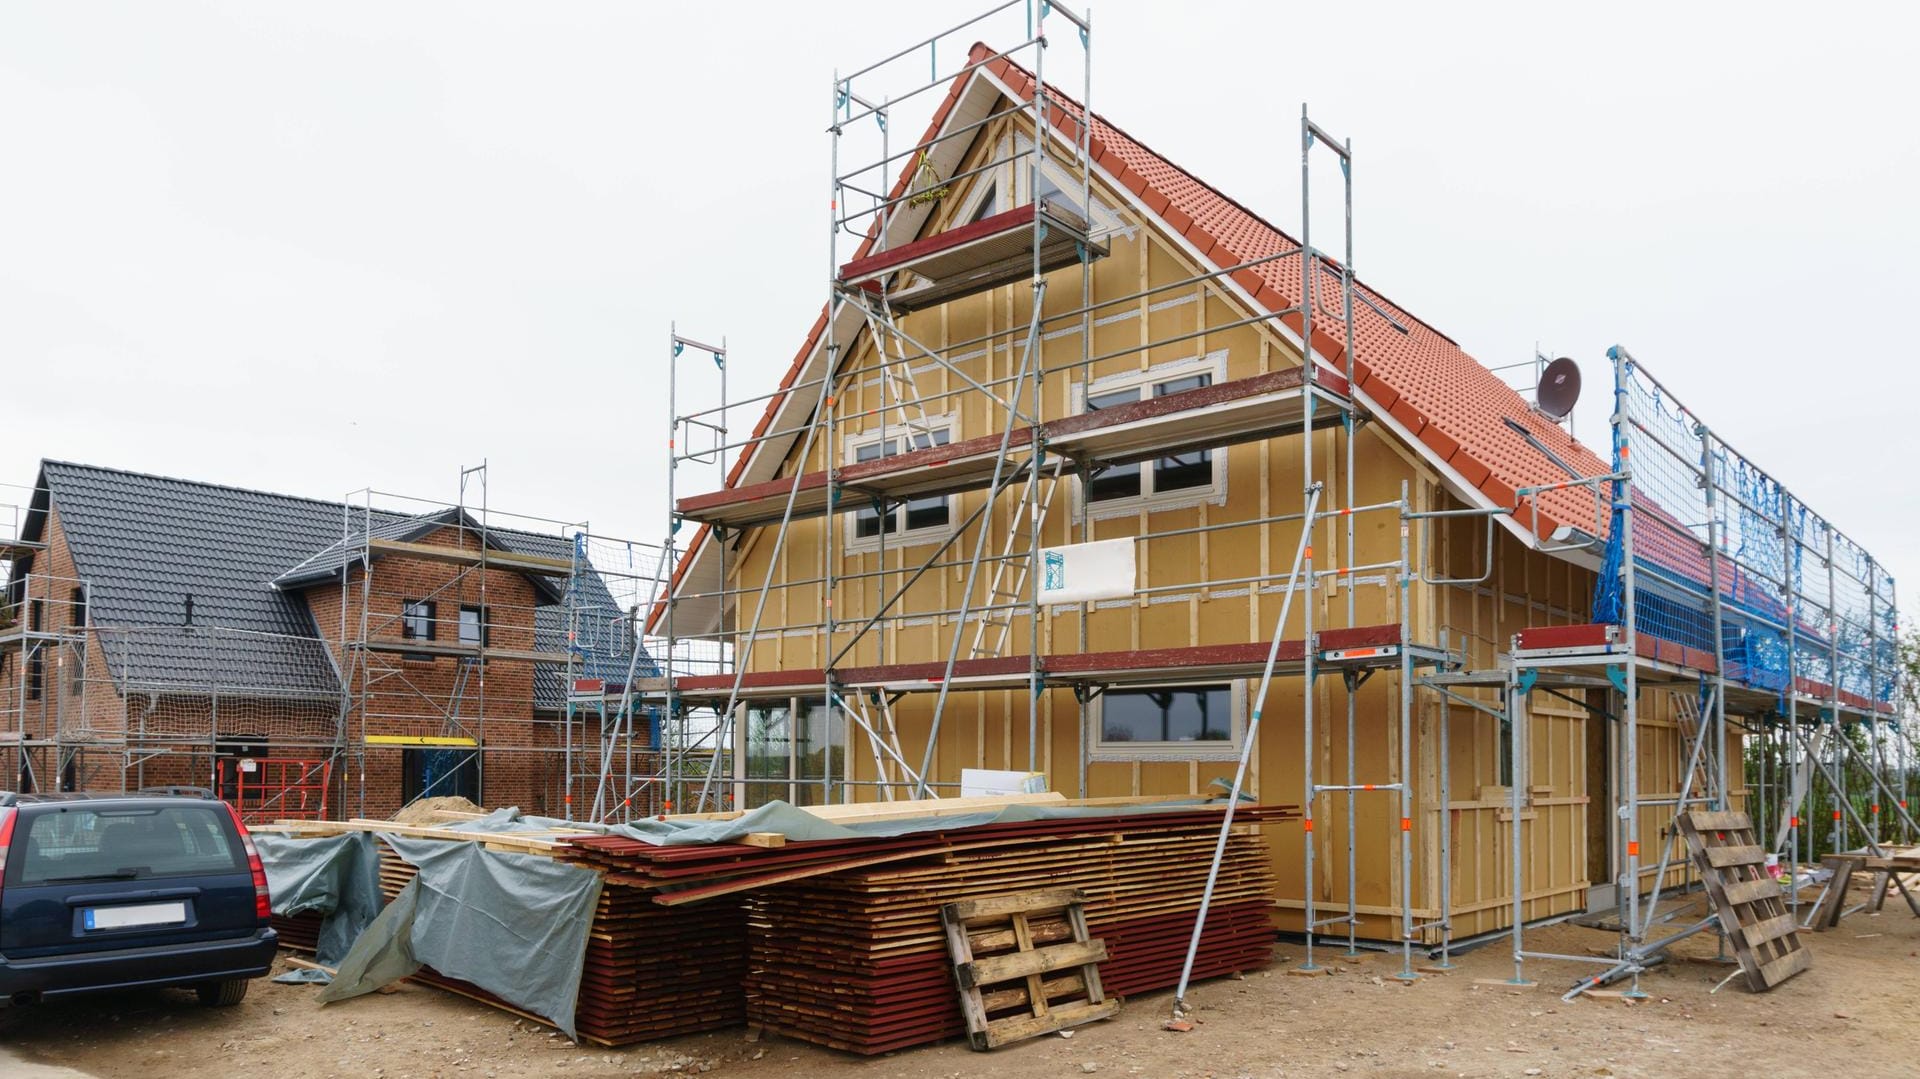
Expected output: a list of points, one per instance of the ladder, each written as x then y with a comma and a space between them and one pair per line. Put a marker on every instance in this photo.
896, 375
875, 717
1693, 730
1010, 572
462, 675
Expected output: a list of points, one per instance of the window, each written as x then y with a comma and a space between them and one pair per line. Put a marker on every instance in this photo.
416, 620
137, 844
988, 205
77, 609
1185, 479
37, 653
474, 628
916, 520
1183, 722
439, 773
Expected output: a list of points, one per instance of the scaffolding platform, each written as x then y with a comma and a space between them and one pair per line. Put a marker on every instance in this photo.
442, 650
488, 557
1382, 645
1600, 643
975, 257
1243, 410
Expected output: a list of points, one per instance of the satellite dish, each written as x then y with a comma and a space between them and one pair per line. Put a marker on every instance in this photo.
1559, 388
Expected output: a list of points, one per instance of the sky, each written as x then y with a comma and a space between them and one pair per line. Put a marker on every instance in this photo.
323, 247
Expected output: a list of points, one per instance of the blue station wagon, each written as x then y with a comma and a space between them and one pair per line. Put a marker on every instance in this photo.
101, 892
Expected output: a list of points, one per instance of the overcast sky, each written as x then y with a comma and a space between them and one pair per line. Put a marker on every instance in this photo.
325, 246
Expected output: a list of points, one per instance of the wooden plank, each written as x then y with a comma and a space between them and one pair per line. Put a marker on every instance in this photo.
1727, 857
1833, 899
1710, 821
971, 1006
1001, 968
1770, 929
1775, 971
1016, 996
1007, 1031
1001, 906
1741, 892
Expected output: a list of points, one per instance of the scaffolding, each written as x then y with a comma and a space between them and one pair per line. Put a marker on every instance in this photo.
866, 370
1721, 589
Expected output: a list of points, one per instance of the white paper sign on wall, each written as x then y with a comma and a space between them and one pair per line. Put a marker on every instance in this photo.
1087, 571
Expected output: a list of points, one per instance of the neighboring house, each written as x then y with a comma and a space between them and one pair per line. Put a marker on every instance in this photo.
1148, 694
304, 656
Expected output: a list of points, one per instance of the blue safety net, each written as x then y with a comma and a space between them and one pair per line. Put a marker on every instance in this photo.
1799, 601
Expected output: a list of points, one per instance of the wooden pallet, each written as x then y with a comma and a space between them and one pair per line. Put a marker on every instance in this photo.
1011, 987
1732, 864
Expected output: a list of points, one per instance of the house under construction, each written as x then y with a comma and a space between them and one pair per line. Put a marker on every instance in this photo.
1088, 470
311, 658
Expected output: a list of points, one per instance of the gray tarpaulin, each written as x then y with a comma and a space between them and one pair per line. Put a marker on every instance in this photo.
798, 824
513, 924
337, 876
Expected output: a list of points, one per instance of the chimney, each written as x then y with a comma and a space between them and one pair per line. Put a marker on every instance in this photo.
189, 608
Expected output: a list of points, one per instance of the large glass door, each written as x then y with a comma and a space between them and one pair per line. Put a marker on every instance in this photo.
768, 760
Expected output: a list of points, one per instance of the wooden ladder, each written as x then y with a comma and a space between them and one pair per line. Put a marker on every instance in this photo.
1013, 985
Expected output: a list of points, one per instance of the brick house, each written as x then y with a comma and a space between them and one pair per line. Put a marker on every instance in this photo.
305, 657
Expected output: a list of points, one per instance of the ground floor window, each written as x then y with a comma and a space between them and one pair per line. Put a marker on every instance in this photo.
1199, 721
440, 772
792, 754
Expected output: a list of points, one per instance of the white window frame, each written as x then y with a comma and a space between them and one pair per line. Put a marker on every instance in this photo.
1213, 364
854, 543
1099, 749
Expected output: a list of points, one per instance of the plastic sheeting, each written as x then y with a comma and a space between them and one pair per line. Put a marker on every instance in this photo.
798, 824
336, 876
514, 925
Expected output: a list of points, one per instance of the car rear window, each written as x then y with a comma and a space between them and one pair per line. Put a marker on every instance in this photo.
81, 843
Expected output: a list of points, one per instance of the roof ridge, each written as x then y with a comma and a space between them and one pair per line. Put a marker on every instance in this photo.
45, 461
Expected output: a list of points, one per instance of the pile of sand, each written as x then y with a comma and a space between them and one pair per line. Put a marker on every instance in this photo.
426, 811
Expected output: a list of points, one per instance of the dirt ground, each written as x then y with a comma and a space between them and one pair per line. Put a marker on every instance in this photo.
1853, 1010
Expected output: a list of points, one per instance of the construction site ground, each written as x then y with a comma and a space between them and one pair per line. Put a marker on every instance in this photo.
1851, 1012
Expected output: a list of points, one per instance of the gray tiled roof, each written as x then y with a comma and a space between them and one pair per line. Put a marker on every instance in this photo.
144, 543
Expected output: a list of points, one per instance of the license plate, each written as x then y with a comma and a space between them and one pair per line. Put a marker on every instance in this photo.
143, 914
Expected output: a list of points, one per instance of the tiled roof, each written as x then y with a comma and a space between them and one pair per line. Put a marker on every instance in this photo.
1452, 406
144, 543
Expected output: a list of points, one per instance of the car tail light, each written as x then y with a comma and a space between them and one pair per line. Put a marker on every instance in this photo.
262, 900
6, 839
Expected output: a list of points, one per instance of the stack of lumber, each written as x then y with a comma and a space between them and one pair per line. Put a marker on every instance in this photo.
840, 942
299, 932
650, 972
857, 960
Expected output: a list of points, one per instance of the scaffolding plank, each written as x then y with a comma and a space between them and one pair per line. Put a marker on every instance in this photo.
1131, 665
1223, 414
976, 256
